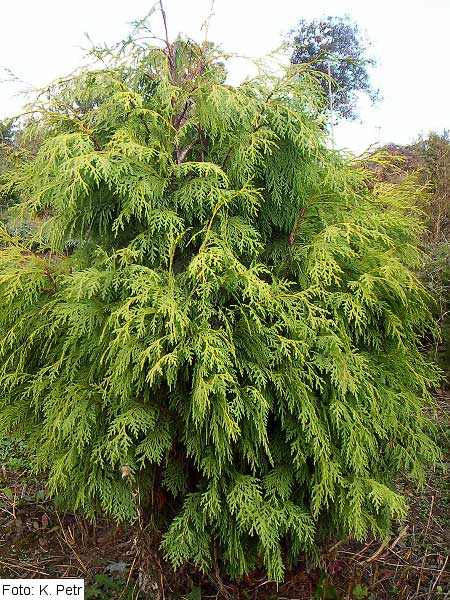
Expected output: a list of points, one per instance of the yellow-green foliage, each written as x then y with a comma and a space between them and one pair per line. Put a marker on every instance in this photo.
235, 338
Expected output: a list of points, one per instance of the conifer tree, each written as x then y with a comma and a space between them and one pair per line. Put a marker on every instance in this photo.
231, 340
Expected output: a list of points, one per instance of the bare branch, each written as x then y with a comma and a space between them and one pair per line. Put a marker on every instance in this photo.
207, 22
181, 154
164, 18
178, 121
202, 141
298, 222
170, 47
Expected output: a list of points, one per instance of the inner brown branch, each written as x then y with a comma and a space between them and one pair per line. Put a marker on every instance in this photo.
296, 228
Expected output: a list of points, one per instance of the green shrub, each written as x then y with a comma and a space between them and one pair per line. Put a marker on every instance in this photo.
233, 344
436, 277
434, 153
429, 159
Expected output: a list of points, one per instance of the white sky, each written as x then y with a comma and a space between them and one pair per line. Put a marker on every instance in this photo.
41, 40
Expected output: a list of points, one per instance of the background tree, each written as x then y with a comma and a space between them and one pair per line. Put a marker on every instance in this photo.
7, 131
337, 48
16, 146
231, 352
6, 142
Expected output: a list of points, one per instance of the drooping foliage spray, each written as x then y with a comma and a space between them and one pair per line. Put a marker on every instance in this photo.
232, 340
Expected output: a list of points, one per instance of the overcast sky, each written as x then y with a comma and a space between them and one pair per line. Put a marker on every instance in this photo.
44, 39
